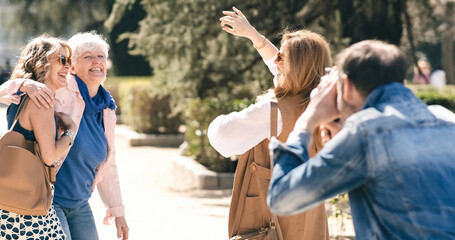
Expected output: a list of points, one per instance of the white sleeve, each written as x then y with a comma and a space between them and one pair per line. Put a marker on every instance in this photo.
273, 68
237, 132
442, 113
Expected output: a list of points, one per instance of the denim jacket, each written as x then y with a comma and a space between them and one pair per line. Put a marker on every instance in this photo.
395, 158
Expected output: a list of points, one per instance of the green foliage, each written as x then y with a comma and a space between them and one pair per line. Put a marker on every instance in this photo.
183, 39
146, 107
22, 19
123, 63
111, 84
198, 115
432, 95
380, 20
339, 206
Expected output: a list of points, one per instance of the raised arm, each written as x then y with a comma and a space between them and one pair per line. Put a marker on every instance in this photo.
235, 23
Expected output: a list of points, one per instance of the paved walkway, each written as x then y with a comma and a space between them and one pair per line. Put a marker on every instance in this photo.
158, 205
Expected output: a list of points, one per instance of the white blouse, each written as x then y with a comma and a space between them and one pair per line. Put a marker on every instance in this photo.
238, 132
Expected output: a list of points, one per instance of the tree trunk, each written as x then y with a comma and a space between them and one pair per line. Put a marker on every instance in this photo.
447, 45
447, 58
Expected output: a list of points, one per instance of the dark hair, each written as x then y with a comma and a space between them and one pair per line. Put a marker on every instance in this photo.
372, 63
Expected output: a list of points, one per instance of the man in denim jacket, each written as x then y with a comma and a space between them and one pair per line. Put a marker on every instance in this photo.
395, 156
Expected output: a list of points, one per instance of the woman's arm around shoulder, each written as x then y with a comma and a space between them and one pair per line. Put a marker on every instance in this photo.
8, 91
39, 93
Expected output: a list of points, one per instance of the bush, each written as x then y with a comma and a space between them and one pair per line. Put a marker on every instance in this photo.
112, 85
146, 107
198, 115
431, 95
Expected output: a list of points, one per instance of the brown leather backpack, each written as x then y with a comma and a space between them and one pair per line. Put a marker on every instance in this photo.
249, 216
24, 179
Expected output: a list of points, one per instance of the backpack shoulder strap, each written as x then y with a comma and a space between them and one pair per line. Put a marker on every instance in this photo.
273, 118
273, 133
22, 105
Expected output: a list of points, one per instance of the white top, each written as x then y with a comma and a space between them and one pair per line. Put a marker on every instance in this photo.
238, 132
438, 78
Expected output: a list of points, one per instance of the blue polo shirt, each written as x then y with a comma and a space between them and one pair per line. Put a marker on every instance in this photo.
73, 187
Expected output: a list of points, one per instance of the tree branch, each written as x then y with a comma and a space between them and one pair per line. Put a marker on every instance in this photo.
408, 25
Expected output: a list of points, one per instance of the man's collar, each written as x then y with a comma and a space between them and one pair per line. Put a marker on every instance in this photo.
384, 93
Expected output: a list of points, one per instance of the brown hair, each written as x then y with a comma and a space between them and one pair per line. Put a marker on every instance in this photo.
34, 60
372, 63
306, 55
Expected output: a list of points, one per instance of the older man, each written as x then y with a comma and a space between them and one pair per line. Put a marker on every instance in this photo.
394, 155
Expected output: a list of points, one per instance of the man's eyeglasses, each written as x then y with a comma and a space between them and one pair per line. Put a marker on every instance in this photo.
64, 60
279, 57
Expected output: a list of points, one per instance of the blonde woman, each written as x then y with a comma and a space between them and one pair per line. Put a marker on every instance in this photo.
297, 68
47, 60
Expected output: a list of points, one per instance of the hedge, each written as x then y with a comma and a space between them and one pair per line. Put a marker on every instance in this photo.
431, 95
146, 107
112, 85
198, 115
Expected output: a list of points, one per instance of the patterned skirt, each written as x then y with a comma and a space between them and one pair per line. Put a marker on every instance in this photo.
25, 227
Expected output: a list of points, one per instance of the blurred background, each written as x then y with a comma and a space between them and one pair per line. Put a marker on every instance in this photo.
173, 70
183, 39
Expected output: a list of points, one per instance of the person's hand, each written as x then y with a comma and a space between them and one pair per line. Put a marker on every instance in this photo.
64, 121
122, 228
39, 93
330, 129
238, 23
323, 104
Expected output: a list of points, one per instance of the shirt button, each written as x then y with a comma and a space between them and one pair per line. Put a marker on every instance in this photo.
253, 168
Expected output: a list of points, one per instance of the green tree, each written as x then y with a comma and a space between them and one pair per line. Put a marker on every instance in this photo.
371, 19
432, 37
24, 19
183, 41
125, 64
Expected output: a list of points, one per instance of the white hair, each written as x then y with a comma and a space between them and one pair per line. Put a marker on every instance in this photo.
87, 41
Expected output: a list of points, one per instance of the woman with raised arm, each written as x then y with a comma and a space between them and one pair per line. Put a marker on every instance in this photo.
297, 69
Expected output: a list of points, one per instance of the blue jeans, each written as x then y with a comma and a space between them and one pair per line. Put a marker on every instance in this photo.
78, 223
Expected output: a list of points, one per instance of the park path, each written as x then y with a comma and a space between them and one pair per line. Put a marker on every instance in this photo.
158, 204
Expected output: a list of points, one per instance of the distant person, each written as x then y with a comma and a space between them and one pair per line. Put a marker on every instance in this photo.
91, 160
46, 60
5, 72
394, 155
423, 78
297, 69
438, 78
